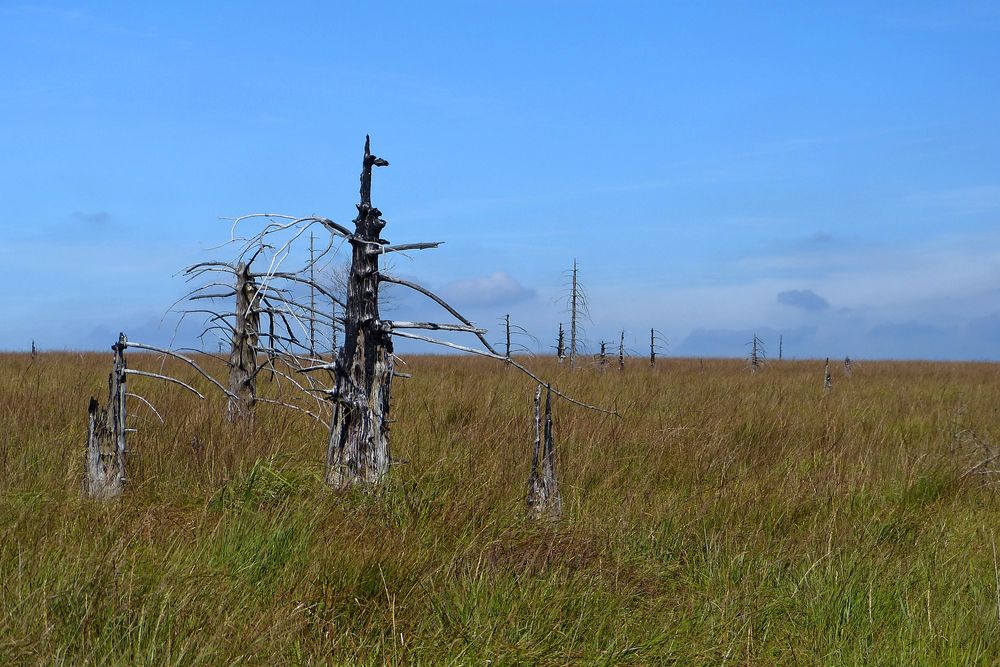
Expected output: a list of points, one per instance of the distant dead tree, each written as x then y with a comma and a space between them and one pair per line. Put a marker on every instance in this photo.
34, 350
757, 356
621, 352
848, 366
515, 338
561, 344
602, 358
656, 340
827, 378
781, 347
579, 310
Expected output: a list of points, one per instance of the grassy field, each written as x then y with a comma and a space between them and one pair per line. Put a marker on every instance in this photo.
725, 519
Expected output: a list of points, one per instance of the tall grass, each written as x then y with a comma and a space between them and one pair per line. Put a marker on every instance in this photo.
725, 519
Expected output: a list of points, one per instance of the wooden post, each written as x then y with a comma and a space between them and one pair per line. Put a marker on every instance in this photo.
106, 452
543, 500
358, 451
243, 354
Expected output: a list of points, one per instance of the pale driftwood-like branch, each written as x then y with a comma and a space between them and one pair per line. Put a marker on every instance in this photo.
147, 403
276, 227
433, 326
441, 302
498, 357
332, 366
285, 275
379, 249
151, 348
167, 378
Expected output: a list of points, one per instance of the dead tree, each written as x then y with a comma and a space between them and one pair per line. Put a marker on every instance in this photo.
561, 344
516, 339
781, 345
848, 366
543, 499
34, 350
291, 322
106, 453
358, 448
506, 321
576, 299
827, 378
757, 356
602, 357
106, 450
245, 342
656, 341
574, 302
621, 352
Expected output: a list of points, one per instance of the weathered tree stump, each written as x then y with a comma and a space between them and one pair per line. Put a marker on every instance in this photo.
358, 451
106, 452
543, 499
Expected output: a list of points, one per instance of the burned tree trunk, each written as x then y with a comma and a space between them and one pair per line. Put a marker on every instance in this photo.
358, 451
105, 466
243, 355
827, 378
652, 348
543, 499
561, 344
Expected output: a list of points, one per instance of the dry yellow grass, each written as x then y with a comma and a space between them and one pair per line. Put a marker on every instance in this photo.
724, 519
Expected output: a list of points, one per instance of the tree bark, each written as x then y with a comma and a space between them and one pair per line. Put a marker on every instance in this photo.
358, 452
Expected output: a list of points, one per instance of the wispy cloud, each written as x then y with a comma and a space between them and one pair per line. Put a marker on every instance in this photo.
803, 299
95, 218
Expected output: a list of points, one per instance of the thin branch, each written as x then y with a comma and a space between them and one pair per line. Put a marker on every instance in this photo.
513, 363
132, 371
148, 405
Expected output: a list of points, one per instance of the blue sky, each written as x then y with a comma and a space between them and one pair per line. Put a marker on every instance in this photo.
828, 173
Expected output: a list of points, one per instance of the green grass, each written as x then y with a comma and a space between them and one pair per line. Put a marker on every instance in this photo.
726, 519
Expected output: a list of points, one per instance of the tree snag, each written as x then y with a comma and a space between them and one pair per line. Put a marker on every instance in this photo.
243, 354
543, 499
105, 465
358, 450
